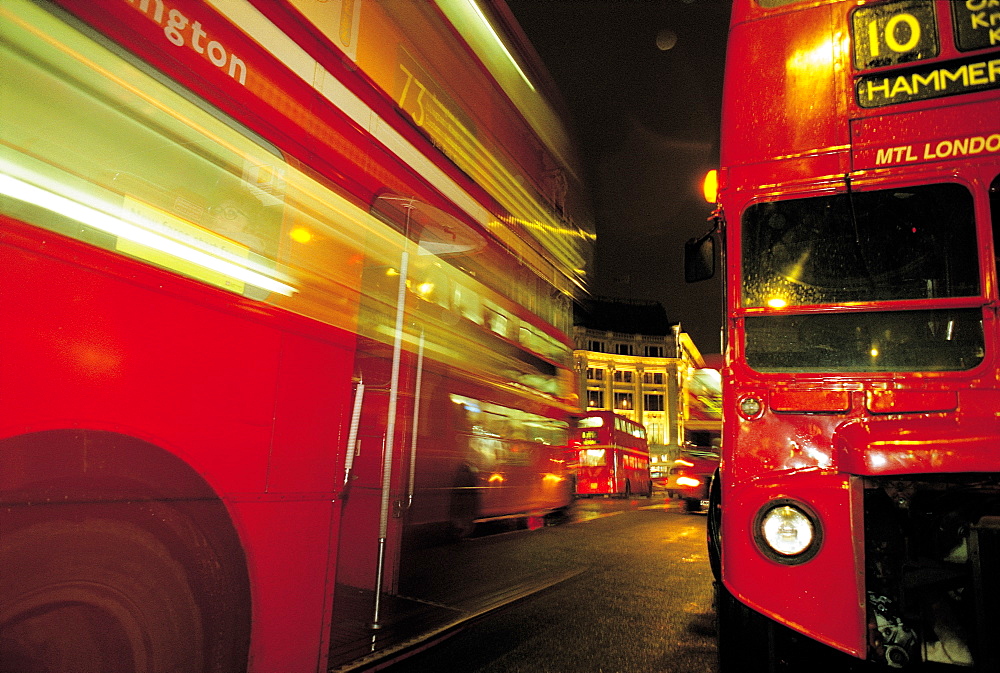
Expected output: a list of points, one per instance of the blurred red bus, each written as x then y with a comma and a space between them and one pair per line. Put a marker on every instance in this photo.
284, 283
856, 521
611, 455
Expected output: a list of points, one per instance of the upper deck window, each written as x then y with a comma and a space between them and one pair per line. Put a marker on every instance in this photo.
895, 244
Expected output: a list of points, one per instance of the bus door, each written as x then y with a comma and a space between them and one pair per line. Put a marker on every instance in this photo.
396, 335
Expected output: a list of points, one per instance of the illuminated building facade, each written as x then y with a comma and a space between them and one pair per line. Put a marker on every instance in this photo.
655, 376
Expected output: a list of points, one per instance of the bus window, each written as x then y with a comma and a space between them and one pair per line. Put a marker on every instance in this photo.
142, 180
592, 458
912, 243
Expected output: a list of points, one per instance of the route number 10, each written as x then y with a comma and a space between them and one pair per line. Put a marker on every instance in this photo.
894, 33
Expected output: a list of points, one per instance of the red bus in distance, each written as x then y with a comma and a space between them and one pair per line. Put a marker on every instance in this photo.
287, 293
856, 523
611, 455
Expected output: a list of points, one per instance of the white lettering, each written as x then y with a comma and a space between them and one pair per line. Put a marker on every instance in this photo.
180, 31
176, 22
196, 34
217, 54
144, 8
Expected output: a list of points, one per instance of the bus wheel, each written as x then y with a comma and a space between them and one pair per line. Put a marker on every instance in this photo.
749, 642
95, 595
743, 636
713, 527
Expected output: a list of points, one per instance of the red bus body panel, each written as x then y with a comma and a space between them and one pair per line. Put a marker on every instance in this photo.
793, 126
210, 430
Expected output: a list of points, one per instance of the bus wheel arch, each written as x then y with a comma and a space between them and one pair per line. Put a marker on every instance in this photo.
105, 579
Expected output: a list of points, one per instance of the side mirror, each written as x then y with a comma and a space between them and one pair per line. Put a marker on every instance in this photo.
699, 258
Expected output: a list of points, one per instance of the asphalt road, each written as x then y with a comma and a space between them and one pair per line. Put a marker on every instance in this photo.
640, 601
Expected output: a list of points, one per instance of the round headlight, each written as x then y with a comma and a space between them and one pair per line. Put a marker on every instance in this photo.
787, 532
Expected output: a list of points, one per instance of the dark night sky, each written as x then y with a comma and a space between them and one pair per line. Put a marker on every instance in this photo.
647, 125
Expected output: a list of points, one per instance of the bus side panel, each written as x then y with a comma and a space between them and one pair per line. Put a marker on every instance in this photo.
90, 359
313, 399
97, 352
288, 570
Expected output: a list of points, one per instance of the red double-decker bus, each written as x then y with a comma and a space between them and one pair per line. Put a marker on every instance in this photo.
611, 455
286, 284
855, 522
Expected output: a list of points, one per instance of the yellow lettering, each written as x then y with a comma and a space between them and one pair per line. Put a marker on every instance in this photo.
881, 88
977, 74
902, 85
931, 79
979, 20
890, 33
948, 76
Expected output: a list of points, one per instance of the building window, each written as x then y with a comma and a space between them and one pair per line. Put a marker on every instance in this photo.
595, 399
654, 431
652, 402
653, 378
623, 401
623, 349
596, 346
595, 374
623, 375
654, 351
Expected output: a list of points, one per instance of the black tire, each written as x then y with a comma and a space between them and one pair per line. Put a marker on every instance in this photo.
97, 594
713, 526
749, 642
745, 638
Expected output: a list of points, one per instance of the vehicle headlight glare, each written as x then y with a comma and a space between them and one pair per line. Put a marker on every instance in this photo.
788, 532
